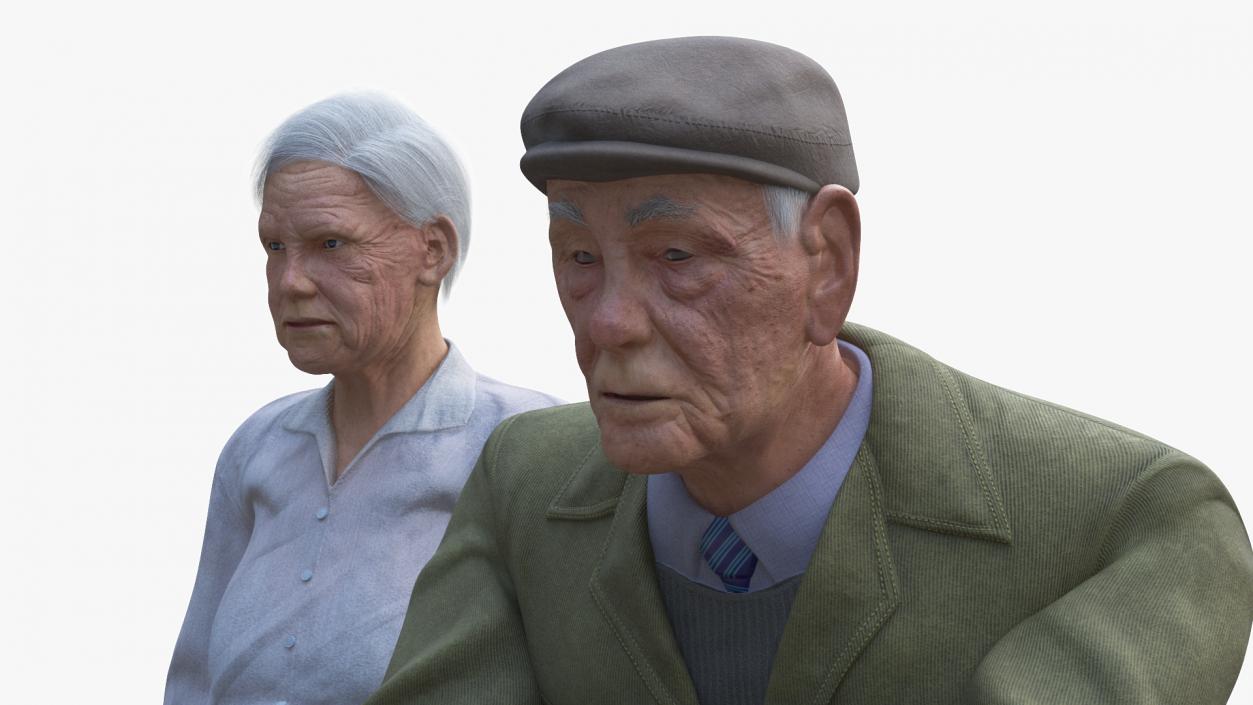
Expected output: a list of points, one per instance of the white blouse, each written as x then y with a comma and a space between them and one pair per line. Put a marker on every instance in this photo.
303, 583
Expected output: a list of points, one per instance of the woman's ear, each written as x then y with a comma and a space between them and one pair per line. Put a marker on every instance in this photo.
439, 247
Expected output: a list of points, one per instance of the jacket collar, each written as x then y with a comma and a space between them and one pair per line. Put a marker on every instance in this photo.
935, 474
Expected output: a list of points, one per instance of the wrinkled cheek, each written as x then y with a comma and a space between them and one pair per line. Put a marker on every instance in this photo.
366, 328
584, 350
348, 333
384, 322
271, 291
585, 353
567, 303
275, 304
706, 422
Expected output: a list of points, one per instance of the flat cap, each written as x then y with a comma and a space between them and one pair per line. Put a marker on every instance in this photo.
717, 105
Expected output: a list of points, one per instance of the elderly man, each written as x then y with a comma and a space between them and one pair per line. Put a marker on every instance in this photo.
763, 504
326, 503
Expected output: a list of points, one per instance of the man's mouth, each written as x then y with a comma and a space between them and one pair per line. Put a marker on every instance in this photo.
631, 397
306, 322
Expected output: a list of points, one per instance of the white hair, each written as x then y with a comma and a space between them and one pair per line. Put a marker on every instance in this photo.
785, 205
400, 158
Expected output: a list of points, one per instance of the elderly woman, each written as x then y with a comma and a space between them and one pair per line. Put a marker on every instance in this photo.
326, 503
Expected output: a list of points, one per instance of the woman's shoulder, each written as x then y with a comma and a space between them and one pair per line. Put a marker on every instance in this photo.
510, 399
263, 422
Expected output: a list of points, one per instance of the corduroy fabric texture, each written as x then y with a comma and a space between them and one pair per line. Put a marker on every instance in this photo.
984, 548
727, 641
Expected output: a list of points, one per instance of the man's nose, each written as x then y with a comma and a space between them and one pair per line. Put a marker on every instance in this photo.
294, 277
619, 317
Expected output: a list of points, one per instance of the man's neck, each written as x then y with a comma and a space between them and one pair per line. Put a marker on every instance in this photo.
731, 481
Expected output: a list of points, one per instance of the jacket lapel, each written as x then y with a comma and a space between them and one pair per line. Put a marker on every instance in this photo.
624, 583
921, 465
848, 592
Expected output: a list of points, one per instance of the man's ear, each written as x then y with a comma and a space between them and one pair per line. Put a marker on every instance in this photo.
438, 250
830, 232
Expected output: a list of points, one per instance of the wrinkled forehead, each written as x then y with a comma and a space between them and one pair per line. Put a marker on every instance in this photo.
672, 196
311, 195
311, 180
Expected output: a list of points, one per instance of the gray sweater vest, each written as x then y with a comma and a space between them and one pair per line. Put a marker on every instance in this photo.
728, 641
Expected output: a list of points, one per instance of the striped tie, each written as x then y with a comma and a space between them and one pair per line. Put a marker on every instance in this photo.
728, 555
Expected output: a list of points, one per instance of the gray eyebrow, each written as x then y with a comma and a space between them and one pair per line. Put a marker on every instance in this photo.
658, 207
566, 211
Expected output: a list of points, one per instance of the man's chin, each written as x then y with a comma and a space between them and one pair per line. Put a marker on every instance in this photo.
639, 453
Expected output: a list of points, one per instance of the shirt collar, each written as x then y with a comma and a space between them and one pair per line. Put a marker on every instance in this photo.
783, 527
445, 400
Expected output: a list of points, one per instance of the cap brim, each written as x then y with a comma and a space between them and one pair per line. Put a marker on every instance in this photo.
602, 160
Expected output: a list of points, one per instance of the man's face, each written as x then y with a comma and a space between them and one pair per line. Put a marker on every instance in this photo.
688, 314
342, 269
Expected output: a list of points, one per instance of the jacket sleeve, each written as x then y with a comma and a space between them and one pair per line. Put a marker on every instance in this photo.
226, 535
463, 639
1165, 620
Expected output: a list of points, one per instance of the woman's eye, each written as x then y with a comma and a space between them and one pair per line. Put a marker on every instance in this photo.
673, 255
275, 245
584, 257
332, 244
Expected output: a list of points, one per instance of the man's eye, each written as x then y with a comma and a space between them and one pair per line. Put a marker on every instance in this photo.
275, 245
673, 255
332, 244
584, 257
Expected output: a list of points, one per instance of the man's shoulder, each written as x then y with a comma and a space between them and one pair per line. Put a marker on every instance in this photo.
556, 435
1022, 414
532, 455
1041, 428
990, 410
961, 455
927, 414
1039, 448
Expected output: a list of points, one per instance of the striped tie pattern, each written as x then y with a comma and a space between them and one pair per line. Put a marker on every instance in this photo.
728, 555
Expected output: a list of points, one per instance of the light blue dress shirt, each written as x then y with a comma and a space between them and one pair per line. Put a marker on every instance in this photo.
783, 527
304, 580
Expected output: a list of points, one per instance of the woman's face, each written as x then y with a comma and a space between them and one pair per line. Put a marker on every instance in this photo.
342, 270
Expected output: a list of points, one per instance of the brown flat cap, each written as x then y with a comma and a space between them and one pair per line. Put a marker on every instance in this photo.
716, 105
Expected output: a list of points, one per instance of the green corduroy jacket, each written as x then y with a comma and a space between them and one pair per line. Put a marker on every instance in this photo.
985, 547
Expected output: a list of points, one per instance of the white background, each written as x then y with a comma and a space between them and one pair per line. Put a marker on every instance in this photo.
1056, 198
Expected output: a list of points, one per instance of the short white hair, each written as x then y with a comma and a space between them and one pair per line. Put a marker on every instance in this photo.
786, 206
400, 158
